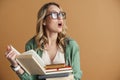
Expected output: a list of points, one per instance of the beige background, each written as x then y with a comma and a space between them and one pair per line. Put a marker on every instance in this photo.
94, 24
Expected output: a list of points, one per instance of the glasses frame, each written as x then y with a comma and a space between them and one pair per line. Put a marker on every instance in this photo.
58, 15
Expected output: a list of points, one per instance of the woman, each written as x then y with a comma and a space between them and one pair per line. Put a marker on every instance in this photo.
50, 42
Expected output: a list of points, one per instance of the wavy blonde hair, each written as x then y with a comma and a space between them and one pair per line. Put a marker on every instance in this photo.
41, 38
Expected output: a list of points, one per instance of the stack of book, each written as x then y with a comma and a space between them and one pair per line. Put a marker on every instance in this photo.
57, 72
34, 65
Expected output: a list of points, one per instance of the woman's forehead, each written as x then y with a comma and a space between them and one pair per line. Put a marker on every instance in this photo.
53, 8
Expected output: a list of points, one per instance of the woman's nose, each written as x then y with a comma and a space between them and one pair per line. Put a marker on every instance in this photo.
60, 17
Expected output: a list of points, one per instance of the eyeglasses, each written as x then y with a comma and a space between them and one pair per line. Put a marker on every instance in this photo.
56, 15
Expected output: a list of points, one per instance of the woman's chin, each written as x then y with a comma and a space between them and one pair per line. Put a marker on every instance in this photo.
59, 31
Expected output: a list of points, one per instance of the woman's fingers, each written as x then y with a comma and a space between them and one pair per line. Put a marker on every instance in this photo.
8, 48
9, 53
11, 56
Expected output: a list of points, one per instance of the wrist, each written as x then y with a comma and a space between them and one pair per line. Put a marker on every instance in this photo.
15, 68
15, 64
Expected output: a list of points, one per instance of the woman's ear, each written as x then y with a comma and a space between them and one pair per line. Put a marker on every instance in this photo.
44, 23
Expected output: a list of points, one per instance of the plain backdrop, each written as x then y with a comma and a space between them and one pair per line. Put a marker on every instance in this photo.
94, 24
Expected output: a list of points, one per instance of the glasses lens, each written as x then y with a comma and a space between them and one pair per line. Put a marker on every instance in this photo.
54, 15
62, 15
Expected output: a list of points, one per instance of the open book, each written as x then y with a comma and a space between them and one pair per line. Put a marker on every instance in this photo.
32, 63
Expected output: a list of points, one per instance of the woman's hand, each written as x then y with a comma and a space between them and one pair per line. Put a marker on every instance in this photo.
11, 56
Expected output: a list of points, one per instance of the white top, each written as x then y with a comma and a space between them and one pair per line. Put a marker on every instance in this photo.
59, 58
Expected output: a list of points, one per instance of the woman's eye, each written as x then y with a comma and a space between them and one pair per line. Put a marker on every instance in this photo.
54, 15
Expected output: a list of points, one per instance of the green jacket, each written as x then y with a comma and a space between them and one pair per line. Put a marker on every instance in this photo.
72, 58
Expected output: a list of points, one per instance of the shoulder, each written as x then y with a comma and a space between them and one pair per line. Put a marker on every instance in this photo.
31, 41
30, 44
71, 42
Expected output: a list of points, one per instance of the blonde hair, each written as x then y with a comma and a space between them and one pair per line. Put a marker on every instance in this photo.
41, 38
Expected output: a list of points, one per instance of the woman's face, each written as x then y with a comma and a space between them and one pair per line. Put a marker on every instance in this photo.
52, 22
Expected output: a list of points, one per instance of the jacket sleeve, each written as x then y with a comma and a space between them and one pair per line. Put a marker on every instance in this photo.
26, 76
75, 60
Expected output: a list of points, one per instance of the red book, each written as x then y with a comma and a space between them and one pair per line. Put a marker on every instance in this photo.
53, 66
59, 69
65, 68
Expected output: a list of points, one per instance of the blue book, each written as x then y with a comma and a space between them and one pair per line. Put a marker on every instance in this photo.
58, 75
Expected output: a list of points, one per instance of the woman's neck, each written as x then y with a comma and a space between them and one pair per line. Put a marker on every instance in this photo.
52, 38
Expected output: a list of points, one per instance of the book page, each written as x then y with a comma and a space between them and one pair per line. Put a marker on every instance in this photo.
31, 63
36, 56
